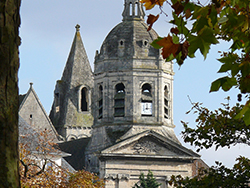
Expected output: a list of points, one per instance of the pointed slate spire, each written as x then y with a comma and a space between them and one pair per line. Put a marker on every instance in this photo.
133, 10
77, 64
72, 94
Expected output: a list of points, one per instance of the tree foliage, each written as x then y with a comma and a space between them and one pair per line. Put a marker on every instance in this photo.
38, 167
217, 177
148, 182
219, 20
197, 26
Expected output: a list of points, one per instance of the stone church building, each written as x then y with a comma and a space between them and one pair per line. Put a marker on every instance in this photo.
121, 115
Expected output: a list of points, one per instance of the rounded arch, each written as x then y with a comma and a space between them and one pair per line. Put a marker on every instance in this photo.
119, 88
83, 136
146, 88
72, 137
119, 100
84, 97
166, 91
146, 92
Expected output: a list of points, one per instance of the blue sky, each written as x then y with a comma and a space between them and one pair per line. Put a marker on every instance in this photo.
47, 30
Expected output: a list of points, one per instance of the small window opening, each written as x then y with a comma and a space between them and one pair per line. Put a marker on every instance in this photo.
146, 89
30, 116
100, 103
84, 99
136, 9
119, 103
146, 100
130, 9
145, 43
57, 101
166, 103
121, 43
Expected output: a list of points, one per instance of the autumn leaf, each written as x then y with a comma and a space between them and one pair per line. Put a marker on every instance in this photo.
178, 7
168, 47
188, 13
149, 4
151, 20
174, 30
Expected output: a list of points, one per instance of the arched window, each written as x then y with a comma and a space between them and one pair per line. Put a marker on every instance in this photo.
130, 9
166, 103
119, 98
84, 99
100, 103
146, 100
136, 9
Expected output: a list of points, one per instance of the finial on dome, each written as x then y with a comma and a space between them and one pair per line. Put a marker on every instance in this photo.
133, 10
77, 27
31, 84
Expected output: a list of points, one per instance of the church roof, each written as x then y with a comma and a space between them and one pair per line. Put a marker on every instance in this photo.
32, 111
77, 149
77, 67
151, 145
128, 41
77, 74
133, 35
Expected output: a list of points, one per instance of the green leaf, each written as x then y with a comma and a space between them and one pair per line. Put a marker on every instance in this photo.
213, 15
230, 58
225, 67
243, 111
216, 85
229, 83
225, 83
200, 24
154, 43
209, 36
170, 58
247, 117
223, 20
175, 39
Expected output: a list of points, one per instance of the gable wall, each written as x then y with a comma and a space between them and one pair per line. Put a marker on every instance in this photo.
31, 111
125, 173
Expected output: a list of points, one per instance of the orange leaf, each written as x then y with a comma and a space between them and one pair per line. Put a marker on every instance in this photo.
149, 4
151, 20
168, 47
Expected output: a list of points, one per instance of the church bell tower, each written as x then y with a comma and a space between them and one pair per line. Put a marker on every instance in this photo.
132, 106
133, 85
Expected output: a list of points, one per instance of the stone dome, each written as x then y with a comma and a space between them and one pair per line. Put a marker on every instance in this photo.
129, 39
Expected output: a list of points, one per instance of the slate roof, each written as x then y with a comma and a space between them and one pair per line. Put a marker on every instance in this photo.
31, 105
77, 149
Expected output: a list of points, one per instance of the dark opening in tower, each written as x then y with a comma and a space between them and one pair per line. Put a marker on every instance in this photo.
166, 105
146, 100
100, 102
84, 99
119, 106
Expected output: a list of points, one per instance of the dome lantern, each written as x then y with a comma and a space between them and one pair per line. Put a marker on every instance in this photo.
133, 10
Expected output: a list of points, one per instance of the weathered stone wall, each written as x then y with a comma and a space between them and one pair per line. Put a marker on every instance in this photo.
32, 111
125, 173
